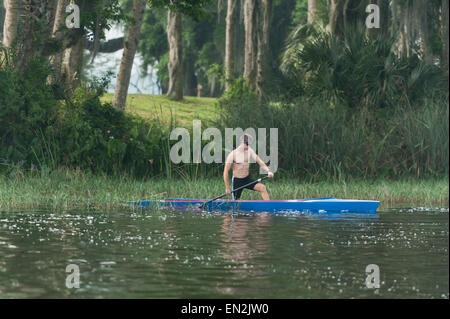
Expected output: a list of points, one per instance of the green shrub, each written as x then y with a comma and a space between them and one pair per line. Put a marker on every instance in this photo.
27, 108
98, 137
39, 131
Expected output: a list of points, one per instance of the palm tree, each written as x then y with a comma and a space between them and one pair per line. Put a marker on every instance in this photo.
357, 70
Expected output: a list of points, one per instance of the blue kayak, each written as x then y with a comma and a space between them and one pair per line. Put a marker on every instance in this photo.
313, 205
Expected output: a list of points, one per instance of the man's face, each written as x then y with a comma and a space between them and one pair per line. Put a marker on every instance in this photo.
245, 142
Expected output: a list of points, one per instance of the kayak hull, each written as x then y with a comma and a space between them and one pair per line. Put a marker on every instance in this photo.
313, 205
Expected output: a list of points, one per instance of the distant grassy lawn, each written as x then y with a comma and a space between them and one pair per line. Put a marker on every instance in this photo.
159, 106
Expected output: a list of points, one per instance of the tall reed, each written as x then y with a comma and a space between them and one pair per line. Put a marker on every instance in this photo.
319, 142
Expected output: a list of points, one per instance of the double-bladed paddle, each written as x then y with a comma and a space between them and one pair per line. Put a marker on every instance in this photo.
234, 190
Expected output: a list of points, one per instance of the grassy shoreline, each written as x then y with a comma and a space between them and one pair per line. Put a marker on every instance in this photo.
68, 190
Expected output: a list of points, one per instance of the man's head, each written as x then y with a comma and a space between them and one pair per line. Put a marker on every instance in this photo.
246, 139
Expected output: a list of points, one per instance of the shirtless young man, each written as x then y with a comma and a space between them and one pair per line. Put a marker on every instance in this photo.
238, 160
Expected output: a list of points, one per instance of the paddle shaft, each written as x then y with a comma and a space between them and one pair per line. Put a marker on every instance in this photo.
234, 190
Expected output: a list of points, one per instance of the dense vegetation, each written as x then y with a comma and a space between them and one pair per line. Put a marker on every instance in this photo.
357, 109
40, 132
348, 101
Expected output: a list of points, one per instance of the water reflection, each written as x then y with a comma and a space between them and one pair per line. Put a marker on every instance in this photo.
244, 241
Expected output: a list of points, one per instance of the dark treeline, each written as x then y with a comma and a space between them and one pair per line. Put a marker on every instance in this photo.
347, 99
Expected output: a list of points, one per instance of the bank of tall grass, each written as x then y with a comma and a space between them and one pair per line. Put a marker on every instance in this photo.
64, 190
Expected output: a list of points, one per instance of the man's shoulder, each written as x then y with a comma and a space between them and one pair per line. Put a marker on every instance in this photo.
230, 157
232, 153
251, 151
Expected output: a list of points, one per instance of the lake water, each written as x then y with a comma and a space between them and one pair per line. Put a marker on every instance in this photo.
157, 254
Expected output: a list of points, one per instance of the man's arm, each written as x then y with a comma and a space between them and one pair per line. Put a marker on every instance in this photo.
261, 163
228, 163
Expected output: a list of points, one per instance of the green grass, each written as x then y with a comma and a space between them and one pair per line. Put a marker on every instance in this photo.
72, 189
160, 106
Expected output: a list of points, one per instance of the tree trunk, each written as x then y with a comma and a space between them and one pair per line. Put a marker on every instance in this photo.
263, 47
267, 13
251, 41
73, 65
56, 59
385, 17
387, 20
336, 19
59, 18
230, 41
395, 18
239, 58
400, 18
406, 31
35, 31
424, 32
312, 11
11, 22
354, 14
190, 79
445, 35
372, 32
2, 18
257, 28
130, 48
174, 36
397, 27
